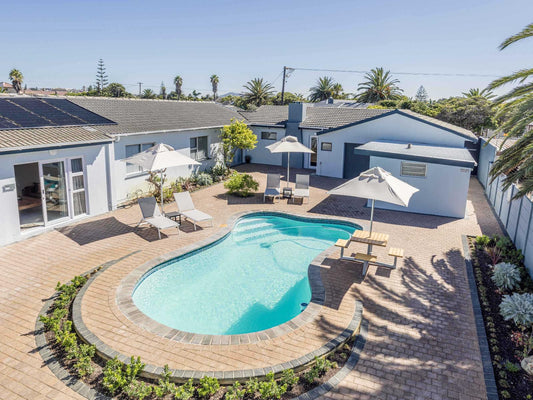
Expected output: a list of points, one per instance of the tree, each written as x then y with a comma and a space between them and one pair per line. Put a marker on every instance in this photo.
101, 77
195, 94
178, 82
476, 92
115, 90
473, 113
16, 78
323, 89
516, 162
148, 94
214, 84
163, 91
378, 85
288, 98
258, 92
421, 94
236, 136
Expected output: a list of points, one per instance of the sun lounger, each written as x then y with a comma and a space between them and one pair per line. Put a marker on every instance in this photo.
186, 209
302, 187
273, 186
152, 215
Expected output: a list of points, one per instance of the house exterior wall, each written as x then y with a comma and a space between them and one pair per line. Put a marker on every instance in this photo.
128, 185
394, 127
261, 155
96, 183
443, 191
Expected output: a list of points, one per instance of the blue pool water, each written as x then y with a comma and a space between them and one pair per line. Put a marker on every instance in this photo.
253, 279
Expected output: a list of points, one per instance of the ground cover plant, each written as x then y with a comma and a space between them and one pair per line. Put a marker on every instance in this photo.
123, 380
505, 291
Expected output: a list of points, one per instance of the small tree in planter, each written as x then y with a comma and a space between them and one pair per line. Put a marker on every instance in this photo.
236, 136
241, 184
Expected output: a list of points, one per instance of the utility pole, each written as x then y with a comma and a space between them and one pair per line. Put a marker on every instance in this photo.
283, 86
140, 84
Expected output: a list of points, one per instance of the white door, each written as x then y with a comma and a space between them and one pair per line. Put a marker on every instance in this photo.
54, 191
313, 156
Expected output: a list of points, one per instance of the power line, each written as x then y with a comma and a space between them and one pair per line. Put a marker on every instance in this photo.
399, 73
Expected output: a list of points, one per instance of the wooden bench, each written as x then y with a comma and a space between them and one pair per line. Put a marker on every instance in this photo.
365, 259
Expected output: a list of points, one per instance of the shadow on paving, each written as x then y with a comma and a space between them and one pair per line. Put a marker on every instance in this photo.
422, 338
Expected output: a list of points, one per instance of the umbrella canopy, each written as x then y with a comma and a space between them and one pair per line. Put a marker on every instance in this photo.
158, 158
377, 184
288, 144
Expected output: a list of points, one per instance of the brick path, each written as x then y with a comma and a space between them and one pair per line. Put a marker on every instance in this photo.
421, 341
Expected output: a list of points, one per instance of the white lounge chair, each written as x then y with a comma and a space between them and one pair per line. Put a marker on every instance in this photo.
186, 208
302, 187
152, 215
273, 186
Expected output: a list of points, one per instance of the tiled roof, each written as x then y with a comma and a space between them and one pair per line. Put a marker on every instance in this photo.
435, 121
132, 115
267, 115
500, 143
325, 117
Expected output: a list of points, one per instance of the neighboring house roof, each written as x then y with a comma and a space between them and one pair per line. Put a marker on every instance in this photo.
418, 152
337, 103
329, 119
140, 116
500, 143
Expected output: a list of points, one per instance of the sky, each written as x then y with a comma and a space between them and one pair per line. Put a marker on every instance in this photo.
58, 43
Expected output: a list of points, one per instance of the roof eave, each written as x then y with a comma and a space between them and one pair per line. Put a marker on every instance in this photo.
52, 146
412, 157
164, 131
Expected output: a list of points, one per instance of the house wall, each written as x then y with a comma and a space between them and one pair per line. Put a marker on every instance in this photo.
261, 155
127, 185
443, 191
394, 127
516, 216
96, 183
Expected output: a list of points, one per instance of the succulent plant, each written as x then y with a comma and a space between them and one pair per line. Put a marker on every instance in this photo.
518, 307
506, 276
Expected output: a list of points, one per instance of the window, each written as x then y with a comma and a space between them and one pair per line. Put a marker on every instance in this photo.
326, 146
413, 169
199, 148
133, 149
78, 186
269, 135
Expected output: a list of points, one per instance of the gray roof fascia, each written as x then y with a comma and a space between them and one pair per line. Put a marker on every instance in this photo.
411, 157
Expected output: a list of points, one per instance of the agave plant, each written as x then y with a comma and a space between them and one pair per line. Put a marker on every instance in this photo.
506, 276
518, 307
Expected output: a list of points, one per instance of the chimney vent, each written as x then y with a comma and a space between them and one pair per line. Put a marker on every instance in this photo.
409, 146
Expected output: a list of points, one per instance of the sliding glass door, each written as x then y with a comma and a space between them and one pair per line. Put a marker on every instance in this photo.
54, 191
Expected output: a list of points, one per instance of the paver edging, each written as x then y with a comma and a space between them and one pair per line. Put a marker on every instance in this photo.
488, 371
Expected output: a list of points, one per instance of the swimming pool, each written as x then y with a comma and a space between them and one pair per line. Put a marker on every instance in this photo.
253, 279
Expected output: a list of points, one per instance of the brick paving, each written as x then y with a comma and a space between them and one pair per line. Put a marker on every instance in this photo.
421, 342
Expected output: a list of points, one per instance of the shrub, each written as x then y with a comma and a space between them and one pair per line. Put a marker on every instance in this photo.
323, 365
270, 389
204, 179
241, 184
208, 387
518, 307
311, 375
251, 386
219, 172
84, 355
235, 392
134, 368
138, 390
164, 386
482, 241
506, 276
289, 378
512, 367
114, 379
494, 253
185, 391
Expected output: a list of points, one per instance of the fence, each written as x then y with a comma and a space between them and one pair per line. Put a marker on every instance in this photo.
515, 215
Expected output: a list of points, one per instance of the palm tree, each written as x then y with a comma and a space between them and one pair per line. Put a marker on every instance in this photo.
214, 83
516, 162
259, 92
148, 94
323, 89
476, 92
338, 91
178, 81
378, 85
16, 78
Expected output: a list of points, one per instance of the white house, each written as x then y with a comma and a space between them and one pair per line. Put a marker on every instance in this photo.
60, 157
434, 156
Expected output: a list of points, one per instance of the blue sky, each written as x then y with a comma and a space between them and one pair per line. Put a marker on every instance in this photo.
57, 43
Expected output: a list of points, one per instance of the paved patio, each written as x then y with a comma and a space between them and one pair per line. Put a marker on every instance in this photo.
421, 343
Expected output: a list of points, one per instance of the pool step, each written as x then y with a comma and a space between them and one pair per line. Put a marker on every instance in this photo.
250, 228
252, 236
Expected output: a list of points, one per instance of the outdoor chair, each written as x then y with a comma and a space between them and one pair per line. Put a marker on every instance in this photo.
186, 209
152, 216
273, 187
302, 187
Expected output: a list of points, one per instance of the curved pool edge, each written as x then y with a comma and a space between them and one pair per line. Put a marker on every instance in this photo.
124, 295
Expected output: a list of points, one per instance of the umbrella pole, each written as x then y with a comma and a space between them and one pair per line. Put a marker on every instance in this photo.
369, 249
288, 163
161, 192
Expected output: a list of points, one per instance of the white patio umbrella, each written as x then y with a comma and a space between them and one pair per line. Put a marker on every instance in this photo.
288, 144
377, 184
158, 158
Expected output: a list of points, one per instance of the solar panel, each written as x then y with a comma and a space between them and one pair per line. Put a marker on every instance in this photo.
20, 116
88, 116
53, 114
5, 124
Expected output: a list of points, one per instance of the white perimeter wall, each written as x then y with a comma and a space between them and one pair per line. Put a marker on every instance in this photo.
125, 185
394, 127
261, 155
443, 191
96, 183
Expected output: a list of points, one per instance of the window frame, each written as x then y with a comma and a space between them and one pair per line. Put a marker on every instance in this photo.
140, 148
193, 150
269, 133
330, 145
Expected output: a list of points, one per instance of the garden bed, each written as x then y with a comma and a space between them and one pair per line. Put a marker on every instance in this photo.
122, 381
509, 342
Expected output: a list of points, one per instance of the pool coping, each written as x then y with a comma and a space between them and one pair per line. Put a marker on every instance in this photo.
225, 377
130, 310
